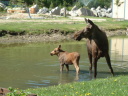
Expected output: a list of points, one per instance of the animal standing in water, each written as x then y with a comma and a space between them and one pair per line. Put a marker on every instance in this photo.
97, 44
67, 58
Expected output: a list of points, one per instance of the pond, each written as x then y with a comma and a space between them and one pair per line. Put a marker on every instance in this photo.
30, 65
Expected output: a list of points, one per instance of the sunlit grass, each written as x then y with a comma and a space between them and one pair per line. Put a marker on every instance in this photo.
36, 26
115, 86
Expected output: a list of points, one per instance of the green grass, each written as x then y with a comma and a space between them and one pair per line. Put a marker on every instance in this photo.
114, 86
113, 25
43, 27
37, 27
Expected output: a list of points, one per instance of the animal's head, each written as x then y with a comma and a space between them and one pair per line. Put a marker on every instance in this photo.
86, 32
56, 51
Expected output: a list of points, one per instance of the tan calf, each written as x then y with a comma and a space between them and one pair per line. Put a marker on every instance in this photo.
66, 58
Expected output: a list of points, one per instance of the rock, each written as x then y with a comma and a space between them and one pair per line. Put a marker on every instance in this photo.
99, 14
92, 9
62, 12
74, 8
55, 11
95, 13
84, 12
43, 10
109, 10
98, 8
73, 13
33, 9
109, 15
2, 5
102, 12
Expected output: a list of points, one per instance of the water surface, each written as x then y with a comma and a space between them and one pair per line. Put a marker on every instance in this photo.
31, 66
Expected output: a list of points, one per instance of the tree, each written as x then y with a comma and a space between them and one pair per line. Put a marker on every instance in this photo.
102, 3
51, 5
20, 2
65, 3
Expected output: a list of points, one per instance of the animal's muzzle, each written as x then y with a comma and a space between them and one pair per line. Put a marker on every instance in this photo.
51, 54
78, 39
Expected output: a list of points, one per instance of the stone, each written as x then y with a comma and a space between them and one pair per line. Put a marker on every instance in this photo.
84, 12
2, 5
98, 8
43, 10
92, 9
74, 8
62, 12
109, 10
109, 15
34, 9
103, 14
55, 11
73, 13
103, 10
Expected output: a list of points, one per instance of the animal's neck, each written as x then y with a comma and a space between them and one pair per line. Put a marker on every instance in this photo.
97, 34
60, 53
100, 38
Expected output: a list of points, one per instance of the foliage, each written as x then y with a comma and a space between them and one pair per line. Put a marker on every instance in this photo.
51, 5
63, 3
79, 4
1, 9
115, 86
15, 92
111, 86
102, 3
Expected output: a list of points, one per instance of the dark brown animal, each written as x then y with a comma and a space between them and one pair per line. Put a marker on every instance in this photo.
97, 44
66, 58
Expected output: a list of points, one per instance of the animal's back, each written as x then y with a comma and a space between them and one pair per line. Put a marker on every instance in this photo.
75, 55
69, 58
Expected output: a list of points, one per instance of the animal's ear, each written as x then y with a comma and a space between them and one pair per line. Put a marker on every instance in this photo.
90, 22
59, 46
86, 20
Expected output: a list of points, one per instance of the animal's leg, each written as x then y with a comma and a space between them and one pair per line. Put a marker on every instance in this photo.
76, 65
61, 67
90, 59
67, 67
95, 66
109, 63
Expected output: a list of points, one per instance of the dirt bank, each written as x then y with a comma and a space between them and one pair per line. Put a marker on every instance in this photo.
33, 38
9, 39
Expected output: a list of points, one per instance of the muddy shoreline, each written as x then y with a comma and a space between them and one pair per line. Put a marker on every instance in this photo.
53, 37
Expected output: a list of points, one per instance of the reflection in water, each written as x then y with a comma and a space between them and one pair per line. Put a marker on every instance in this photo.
119, 51
30, 65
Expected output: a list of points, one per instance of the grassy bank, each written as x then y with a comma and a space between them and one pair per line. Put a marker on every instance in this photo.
42, 26
115, 86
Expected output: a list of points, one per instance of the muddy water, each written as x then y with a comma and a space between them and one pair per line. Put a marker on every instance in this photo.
31, 66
